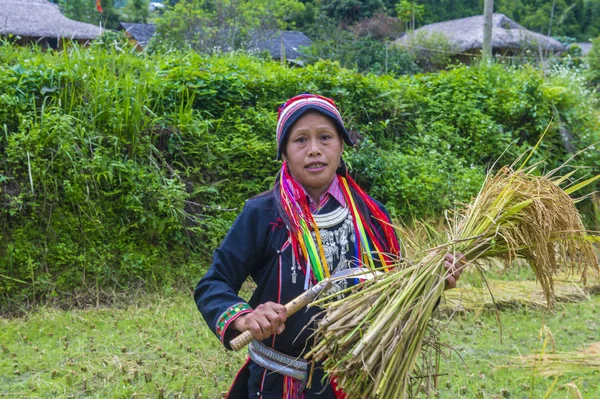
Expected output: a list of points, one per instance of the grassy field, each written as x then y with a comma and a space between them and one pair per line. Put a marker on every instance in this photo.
475, 367
160, 347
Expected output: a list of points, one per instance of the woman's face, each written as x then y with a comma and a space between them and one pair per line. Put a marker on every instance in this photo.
313, 152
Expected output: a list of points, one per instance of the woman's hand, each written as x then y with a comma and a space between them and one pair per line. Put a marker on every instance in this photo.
266, 320
455, 265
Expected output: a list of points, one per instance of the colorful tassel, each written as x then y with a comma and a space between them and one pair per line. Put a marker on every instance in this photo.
292, 388
368, 244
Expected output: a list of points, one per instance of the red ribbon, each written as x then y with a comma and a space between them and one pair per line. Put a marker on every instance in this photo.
337, 391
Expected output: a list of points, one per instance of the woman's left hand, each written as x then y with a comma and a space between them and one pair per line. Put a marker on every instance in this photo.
455, 265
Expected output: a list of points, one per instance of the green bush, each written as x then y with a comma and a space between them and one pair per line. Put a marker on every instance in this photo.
431, 51
365, 55
593, 60
120, 169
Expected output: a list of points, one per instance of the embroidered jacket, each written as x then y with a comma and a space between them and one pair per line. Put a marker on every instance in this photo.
257, 246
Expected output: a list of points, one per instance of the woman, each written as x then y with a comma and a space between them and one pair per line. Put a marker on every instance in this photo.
315, 222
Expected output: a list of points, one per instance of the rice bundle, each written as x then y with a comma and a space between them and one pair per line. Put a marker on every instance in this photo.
371, 339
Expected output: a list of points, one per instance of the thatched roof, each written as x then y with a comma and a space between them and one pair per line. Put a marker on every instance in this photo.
272, 42
40, 18
141, 33
466, 35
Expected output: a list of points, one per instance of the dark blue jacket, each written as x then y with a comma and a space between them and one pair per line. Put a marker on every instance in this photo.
257, 246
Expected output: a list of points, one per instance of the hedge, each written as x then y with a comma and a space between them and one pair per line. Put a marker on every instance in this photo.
120, 170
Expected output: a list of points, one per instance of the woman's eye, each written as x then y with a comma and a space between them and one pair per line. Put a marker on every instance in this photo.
326, 137
300, 140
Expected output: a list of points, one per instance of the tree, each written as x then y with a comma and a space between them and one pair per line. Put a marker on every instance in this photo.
578, 19
208, 25
271, 14
110, 16
85, 11
79, 10
379, 27
350, 11
362, 53
136, 11
593, 60
444, 10
590, 20
410, 13
187, 24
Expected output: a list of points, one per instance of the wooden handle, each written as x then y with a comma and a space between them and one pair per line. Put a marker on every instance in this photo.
291, 307
241, 340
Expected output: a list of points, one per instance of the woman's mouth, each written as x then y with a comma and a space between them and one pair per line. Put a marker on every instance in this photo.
315, 166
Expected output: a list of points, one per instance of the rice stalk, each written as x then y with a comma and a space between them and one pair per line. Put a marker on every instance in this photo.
516, 215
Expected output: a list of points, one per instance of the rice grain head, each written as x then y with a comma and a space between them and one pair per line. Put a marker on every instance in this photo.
373, 337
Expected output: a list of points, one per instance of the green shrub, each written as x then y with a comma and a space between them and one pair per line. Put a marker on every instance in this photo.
365, 55
593, 60
431, 51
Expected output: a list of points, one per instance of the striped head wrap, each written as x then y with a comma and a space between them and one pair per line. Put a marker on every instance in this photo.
297, 106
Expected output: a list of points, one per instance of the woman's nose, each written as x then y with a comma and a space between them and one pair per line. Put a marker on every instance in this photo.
315, 148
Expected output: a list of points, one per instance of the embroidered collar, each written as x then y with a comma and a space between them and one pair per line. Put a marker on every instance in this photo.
333, 191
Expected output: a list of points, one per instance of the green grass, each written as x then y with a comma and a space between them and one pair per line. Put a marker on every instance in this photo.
476, 339
161, 346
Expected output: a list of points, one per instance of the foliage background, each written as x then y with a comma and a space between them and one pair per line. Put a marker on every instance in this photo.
121, 170
578, 19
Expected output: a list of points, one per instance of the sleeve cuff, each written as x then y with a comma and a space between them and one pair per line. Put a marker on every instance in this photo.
230, 315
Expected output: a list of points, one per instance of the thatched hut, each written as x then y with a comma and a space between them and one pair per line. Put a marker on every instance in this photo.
282, 45
465, 37
39, 21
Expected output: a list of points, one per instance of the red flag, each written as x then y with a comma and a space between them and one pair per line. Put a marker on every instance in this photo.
98, 6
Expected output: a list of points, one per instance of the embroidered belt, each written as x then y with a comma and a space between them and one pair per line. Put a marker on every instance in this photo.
278, 362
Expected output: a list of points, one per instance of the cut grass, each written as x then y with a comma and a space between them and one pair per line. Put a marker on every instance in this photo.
471, 371
163, 345
562, 363
509, 294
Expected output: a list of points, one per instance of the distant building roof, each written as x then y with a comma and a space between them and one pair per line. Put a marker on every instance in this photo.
40, 18
274, 41
466, 34
141, 33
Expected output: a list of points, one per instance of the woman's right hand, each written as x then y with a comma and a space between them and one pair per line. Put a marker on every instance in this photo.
267, 319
